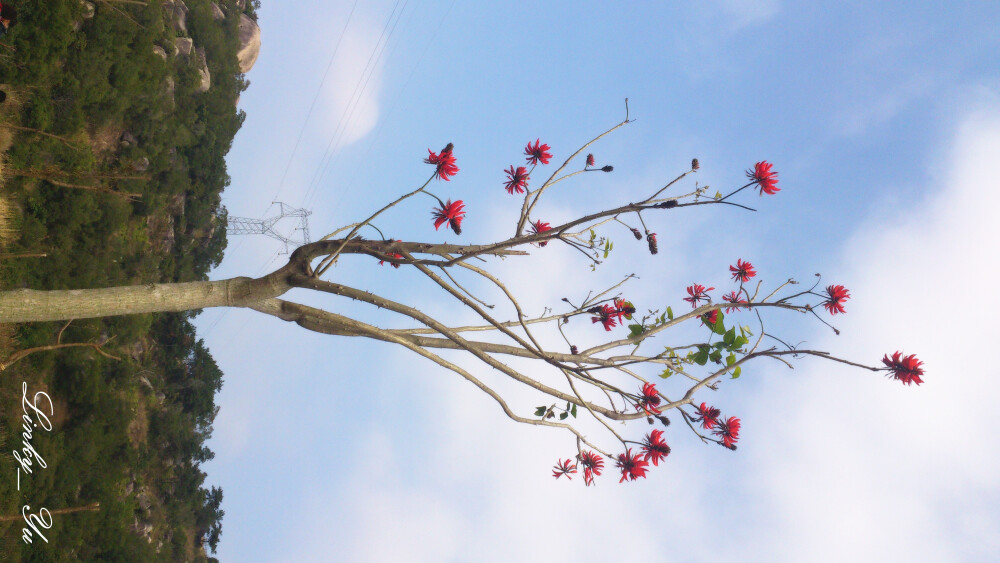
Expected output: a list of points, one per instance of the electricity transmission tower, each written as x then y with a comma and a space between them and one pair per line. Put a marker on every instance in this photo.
249, 226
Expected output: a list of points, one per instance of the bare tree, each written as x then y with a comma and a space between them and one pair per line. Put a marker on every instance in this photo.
607, 382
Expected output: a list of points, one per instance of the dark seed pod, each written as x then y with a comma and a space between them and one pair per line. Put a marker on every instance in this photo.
732, 447
573, 350
448, 148
594, 310
664, 420
651, 239
666, 204
649, 419
608, 168
456, 227
694, 164
636, 234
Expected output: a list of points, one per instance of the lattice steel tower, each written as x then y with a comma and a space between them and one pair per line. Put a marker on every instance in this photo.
248, 226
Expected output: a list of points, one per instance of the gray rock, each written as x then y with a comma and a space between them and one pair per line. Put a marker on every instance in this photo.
157, 50
183, 46
128, 140
217, 13
206, 77
249, 43
177, 10
88, 9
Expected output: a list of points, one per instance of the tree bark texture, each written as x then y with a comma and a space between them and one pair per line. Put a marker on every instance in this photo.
28, 305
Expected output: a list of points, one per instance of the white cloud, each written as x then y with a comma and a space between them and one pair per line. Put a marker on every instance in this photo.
876, 470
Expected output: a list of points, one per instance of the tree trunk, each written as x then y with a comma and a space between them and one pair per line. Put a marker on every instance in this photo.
28, 305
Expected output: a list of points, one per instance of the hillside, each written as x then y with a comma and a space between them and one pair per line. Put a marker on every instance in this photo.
117, 119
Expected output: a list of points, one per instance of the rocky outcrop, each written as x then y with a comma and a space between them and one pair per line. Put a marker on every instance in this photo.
177, 11
128, 140
88, 9
249, 43
206, 77
217, 13
160, 52
183, 46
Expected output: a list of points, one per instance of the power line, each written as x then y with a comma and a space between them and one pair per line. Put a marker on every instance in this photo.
352, 105
312, 106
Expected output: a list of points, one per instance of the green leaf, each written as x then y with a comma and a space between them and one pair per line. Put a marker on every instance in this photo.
666, 373
562, 416
736, 372
670, 313
738, 342
730, 359
718, 195
701, 358
635, 330
540, 411
715, 356
730, 336
572, 411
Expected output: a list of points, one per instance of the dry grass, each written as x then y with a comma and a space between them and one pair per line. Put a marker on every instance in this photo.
8, 233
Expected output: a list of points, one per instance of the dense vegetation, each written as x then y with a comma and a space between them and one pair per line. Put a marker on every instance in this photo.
103, 107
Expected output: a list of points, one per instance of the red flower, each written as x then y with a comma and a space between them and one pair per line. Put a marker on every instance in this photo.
655, 447
729, 431
445, 162
837, 295
632, 467
517, 179
393, 255
453, 213
651, 239
764, 177
707, 416
537, 153
650, 399
539, 227
590, 160
733, 297
742, 271
697, 293
624, 309
904, 368
606, 316
563, 468
593, 464
710, 318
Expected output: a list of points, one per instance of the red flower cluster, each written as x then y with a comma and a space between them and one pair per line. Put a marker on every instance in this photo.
393, 255
837, 294
697, 293
710, 318
452, 213
650, 400
537, 153
624, 309
735, 298
764, 177
707, 416
539, 227
605, 315
904, 368
563, 468
517, 179
632, 467
654, 447
445, 162
590, 160
742, 271
593, 464
729, 431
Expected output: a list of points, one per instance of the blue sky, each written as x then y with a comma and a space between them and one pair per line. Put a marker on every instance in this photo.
883, 121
